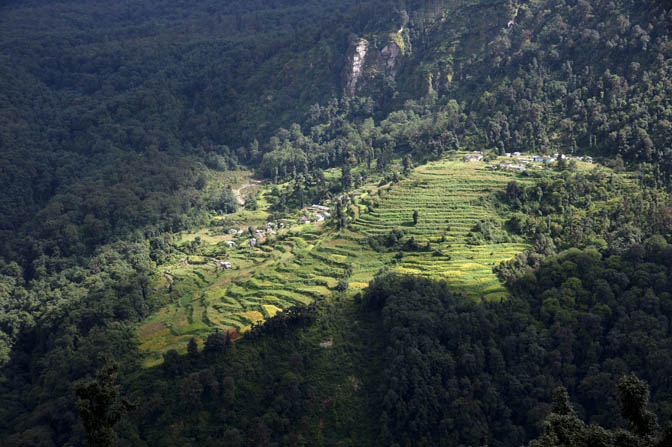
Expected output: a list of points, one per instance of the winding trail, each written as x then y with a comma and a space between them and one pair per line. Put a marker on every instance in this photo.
238, 192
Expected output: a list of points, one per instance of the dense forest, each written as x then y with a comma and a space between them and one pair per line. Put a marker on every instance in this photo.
120, 124
589, 306
591, 303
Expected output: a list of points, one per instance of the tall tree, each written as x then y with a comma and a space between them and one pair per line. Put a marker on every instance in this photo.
101, 406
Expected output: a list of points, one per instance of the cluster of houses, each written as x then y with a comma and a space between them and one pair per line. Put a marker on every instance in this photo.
269, 230
508, 167
478, 156
322, 214
521, 162
547, 158
474, 156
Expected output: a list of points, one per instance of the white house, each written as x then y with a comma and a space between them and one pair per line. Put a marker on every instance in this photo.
512, 167
473, 157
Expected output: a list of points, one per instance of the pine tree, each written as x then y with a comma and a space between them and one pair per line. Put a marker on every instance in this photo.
101, 406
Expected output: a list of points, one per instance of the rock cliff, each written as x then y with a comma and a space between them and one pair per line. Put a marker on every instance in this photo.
366, 63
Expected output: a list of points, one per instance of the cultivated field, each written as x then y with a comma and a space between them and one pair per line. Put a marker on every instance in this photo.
451, 198
304, 263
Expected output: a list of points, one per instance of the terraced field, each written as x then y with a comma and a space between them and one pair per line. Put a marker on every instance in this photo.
305, 263
451, 197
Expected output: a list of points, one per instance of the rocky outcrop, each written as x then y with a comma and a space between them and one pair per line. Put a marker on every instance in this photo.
366, 64
356, 65
390, 53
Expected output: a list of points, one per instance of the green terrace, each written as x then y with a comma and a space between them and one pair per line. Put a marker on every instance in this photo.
451, 197
305, 263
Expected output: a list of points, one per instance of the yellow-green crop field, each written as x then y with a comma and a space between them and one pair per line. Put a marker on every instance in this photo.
304, 263
450, 197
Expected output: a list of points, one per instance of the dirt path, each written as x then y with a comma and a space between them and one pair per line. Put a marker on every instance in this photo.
239, 192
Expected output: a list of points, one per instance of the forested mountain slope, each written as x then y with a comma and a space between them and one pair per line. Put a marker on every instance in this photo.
87, 84
542, 76
556, 75
123, 125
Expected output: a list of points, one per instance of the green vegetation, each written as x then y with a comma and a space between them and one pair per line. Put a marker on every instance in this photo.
453, 197
304, 263
462, 371
135, 135
101, 406
564, 428
296, 266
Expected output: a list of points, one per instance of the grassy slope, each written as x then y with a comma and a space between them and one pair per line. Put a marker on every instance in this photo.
305, 262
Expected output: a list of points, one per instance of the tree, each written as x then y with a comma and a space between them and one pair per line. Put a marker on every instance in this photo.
217, 342
341, 218
226, 202
228, 390
172, 363
101, 406
415, 217
343, 222
634, 396
251, 202
408, 164
342, 285
191, 390
346, 177
573, 165
562, 164
563, 428
192, 348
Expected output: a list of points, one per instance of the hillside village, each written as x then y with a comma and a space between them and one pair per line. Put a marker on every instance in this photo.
521, 162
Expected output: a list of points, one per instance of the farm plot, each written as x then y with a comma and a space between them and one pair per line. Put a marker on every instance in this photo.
450, 198
303, 265
306, 263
